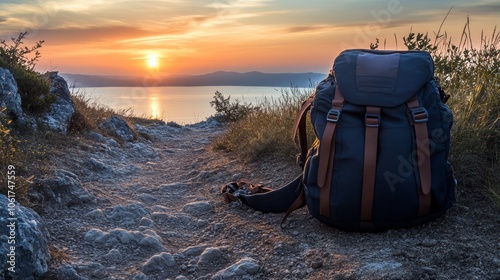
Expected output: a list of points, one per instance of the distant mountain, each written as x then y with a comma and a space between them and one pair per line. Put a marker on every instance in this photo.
220, 78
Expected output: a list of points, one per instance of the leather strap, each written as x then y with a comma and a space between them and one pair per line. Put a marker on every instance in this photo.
372, 123
327, 152
300, 128
419, 117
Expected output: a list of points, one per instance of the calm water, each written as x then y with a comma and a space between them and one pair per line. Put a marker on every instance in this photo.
184, 105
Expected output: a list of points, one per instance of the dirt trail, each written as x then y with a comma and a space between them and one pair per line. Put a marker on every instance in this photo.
156, 213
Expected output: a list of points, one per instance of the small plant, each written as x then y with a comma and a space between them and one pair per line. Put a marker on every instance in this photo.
230, 112
20, 60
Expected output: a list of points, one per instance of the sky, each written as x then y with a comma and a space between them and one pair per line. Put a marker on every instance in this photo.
176, 37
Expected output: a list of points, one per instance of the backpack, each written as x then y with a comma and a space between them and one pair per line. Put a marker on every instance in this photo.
379, 160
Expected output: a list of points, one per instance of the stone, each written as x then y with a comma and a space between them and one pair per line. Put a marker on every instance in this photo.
63, 188
117, 127
198, 208
10, 99
210, 255
61, 111
194, 250
147, 198
244, 267
31, 255
114, 255
158, 263
66, 271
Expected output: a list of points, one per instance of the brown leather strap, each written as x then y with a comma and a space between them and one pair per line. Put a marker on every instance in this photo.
300, 127
419, 117
298, 203
372, 123
327, 152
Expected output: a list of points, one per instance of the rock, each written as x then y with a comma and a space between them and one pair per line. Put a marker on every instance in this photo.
94, 235
318, 263
158, 263
175, 188
198, 208
147, 198
210, 255
152, 242
246, 266
61, 111
128, 215
117, 127
66, 272
118, 236
63, 188
429, 243
194, 250
94, 270
10, 98
114, 255
96, 214
31, 255
98, 165
146, 222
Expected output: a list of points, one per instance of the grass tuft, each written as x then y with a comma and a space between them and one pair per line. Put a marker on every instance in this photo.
266, 130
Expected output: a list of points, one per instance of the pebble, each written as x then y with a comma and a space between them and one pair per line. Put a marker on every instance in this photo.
429, 243
317, 264
210, 255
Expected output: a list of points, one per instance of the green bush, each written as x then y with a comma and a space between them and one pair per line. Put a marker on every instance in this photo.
227, 111
33, 87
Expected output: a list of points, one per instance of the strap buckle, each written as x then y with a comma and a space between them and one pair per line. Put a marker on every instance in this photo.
333, 115
372, 120
419, 115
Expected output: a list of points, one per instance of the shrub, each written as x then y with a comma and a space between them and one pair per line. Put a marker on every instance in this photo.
227, 111
33, 87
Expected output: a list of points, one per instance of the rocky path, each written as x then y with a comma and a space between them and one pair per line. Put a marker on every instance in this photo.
152, 210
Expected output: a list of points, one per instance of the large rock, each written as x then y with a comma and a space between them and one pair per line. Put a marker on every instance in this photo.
117, 127
63, 188
244, 267
10, 98
61, 111
25, 234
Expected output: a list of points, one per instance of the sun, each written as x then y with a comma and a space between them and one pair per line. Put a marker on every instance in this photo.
153, 61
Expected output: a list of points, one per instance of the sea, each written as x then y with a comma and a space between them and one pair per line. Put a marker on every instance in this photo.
183, 105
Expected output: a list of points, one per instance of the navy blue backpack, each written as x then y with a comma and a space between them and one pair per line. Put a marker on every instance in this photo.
379, 160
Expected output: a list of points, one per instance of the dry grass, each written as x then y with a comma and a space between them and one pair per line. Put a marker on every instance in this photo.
267, 130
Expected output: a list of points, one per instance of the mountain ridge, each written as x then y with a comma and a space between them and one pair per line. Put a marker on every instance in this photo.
218, 78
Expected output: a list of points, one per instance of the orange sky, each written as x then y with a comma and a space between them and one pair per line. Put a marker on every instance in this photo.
119, 37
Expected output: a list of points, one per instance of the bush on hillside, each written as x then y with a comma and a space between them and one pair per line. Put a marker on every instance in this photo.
228, 111
20, 60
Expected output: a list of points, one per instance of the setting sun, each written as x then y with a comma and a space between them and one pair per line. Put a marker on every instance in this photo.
152, 61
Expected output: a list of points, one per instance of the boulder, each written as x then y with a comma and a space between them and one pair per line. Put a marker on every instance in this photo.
63, 188
61, 111
117, 127
30, 255
10, 99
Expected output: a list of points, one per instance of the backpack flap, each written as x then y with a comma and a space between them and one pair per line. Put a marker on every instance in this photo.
382, 78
